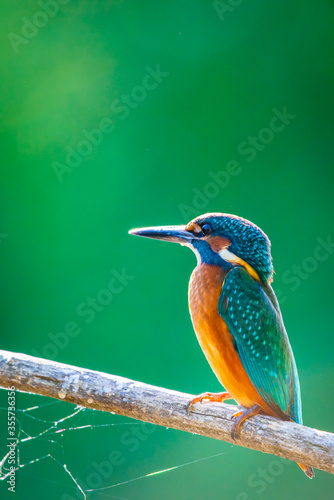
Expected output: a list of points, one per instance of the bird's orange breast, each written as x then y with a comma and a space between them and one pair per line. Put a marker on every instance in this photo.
215, 339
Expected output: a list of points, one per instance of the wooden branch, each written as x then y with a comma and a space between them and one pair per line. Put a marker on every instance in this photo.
159, 406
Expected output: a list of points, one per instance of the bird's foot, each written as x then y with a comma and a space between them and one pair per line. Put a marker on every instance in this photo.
240, 417
208, 397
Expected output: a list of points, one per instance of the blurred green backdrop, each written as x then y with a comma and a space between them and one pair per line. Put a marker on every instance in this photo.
116, 114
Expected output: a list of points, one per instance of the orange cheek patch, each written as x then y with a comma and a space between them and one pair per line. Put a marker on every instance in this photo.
217, 243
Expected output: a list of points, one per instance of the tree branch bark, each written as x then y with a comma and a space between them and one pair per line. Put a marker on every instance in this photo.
159, 406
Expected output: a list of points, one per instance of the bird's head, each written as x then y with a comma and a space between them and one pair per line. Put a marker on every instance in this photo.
221, 239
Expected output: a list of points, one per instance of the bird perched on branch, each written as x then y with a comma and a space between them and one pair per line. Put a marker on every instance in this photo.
237, 318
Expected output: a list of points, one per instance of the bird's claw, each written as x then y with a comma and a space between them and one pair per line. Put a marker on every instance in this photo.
236, 426
240, 417
208, 397
191, 402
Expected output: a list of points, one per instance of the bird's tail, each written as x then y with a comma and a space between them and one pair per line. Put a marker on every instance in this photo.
308, 470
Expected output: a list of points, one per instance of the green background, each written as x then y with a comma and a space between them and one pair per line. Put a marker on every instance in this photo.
63, 235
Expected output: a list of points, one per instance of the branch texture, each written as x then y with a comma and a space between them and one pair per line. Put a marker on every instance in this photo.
159, 406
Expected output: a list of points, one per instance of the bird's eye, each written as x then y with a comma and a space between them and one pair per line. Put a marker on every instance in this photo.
206, 229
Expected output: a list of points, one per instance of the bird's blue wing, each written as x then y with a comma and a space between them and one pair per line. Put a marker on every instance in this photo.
255, 323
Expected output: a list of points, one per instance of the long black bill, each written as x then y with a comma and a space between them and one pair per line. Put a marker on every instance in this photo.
176, 234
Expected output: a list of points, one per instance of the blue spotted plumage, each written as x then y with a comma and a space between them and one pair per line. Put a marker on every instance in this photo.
261, 342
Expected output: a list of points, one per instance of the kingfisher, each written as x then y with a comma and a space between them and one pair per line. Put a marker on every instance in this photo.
236, 317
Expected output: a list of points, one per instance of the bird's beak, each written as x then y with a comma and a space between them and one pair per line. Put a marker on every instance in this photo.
176, 234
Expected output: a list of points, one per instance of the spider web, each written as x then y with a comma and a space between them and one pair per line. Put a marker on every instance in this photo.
41, 440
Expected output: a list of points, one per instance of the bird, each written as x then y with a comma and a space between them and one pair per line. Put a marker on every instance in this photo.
237, 318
